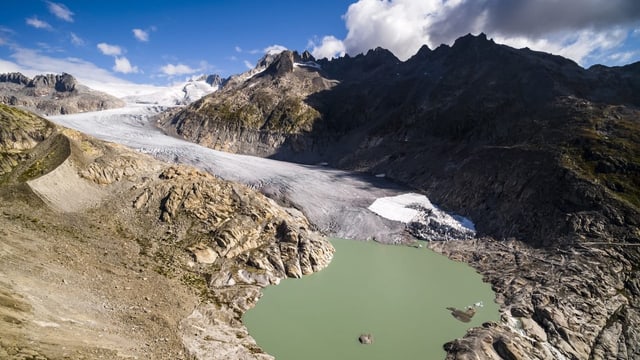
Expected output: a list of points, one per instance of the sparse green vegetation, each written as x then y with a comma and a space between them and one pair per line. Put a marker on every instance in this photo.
606, 150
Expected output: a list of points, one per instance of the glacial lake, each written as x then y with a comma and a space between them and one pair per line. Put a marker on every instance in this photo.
397, 294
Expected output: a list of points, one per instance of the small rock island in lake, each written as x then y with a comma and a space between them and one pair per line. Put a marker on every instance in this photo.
366, 339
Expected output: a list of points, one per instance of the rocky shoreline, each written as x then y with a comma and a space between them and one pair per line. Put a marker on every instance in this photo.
578, 302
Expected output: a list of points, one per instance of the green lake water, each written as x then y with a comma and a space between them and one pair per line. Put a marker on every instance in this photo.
397, 294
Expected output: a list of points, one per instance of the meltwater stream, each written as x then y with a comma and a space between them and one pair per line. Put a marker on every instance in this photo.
398, 294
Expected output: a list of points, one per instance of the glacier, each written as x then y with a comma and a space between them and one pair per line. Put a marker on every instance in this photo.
337, 202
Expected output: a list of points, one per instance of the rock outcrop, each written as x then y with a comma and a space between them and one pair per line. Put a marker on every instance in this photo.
163, 254
52, 94
259, 111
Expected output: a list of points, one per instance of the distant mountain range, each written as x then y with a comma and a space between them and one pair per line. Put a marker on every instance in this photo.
181, 94
506, 136
53, 94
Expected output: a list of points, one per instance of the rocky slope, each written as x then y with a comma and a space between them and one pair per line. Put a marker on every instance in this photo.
52, 94
541, 153
257, 111
109, 253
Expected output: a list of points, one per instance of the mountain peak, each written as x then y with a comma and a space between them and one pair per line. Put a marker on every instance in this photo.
473, 40
61, 83
281, 63
15, 77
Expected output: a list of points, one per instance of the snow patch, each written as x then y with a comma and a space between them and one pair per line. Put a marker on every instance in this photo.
311, 64
424, 220
396, 207
181, 94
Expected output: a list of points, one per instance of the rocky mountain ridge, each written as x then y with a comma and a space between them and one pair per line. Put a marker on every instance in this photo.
110, 253
53, 94
539, 152
374, 113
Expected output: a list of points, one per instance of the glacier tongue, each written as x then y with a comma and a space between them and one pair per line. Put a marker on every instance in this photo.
335, 201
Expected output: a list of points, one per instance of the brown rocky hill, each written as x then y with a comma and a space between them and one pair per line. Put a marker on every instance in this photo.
107, 253
53, 94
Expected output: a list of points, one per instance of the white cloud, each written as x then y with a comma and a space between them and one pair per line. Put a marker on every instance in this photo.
179, 69
31, 62
123, 65
329, 48
9, 67
5, 34
238, 49
76, 40
107, 49
578, 46
274, 49
622, 57
61, 11
141, 35
37, 23
248, 64
580, 30
400, 26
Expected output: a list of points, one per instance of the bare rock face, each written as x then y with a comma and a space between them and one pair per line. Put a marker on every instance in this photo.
574, 303
52, 94
16, 78
258, 111
163, 254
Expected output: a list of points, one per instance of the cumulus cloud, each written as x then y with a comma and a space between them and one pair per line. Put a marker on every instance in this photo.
274, 49
123, 65
564, 27
179, 69
141, 35
76, 40
61, 11
107, 49
622, 57
329, 48
37, 23
32, 62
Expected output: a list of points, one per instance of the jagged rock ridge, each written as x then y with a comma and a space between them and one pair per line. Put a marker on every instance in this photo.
52, 94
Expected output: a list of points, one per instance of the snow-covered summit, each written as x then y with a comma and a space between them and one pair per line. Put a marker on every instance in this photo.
180, 94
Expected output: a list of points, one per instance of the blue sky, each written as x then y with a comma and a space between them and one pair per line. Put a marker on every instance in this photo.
160, 42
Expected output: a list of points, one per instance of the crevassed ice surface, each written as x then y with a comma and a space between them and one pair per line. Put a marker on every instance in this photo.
335, 201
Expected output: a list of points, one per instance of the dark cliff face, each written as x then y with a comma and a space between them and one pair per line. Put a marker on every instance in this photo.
499, 134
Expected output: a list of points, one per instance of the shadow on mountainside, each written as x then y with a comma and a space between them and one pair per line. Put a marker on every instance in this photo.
527, 144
